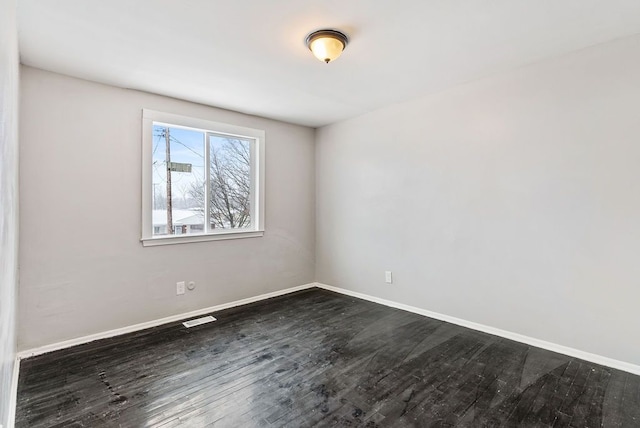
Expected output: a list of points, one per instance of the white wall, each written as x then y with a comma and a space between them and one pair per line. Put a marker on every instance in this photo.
512, 202
9, 86
83, 269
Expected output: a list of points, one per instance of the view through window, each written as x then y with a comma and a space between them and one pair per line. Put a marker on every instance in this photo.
202, 181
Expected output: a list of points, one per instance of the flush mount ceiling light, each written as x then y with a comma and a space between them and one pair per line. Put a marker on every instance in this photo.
327, 45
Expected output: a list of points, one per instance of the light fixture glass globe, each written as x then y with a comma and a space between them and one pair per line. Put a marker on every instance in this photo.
326, 49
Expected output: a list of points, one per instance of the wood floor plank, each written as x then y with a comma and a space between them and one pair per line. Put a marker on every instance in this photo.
317, 358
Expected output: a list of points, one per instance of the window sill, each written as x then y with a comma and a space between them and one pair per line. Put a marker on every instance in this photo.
185, 239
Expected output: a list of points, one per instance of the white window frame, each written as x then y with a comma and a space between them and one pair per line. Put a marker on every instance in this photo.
149, 117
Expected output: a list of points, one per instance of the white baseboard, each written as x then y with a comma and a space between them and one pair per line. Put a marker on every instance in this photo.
13, 397
598, 359
594, 358
142, 326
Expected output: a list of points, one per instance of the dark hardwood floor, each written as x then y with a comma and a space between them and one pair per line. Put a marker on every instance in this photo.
316, 358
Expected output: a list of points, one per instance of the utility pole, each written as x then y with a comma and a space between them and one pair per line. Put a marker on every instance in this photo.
169, 204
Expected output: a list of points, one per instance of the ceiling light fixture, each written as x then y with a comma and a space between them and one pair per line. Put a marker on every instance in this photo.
327, 45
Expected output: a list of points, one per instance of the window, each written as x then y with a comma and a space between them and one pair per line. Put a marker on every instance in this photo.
201, 180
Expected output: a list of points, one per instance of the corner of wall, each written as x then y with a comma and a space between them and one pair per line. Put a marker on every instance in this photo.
9, 87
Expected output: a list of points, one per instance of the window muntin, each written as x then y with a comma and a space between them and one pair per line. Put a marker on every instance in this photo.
214, 174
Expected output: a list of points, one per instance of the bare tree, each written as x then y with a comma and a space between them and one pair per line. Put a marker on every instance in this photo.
229, 185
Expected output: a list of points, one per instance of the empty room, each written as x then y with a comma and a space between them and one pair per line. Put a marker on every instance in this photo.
285, 213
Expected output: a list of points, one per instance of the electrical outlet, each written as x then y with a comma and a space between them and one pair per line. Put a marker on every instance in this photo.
387, 277
191, 285
179, 288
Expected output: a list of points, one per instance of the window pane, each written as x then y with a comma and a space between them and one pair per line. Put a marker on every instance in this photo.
230, 179
178, 159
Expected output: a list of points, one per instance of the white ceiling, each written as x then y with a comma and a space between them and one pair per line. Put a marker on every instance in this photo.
249, 55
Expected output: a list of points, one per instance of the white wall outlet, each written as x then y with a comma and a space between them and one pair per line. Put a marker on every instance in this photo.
179, 288
387, 277
191, 285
